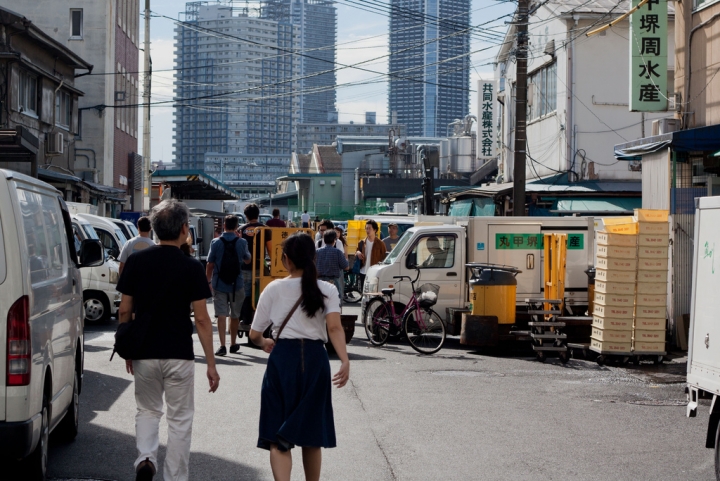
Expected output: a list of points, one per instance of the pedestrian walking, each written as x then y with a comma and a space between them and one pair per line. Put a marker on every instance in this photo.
164, 363
296, 398
370, 250
276, 221
227, 254
250, 232
305, 218
331, 262
325, 226
392, 238
137, 243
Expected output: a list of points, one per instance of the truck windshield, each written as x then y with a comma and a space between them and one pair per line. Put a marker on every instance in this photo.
395, 253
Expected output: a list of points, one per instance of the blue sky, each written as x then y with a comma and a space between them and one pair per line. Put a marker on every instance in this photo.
365, 37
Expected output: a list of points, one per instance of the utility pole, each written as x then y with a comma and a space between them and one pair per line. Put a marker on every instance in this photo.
147, 191
521, 109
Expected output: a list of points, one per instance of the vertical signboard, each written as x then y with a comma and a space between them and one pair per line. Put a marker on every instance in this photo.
488, 111
649, 56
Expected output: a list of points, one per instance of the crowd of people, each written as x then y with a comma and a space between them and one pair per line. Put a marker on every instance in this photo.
302, 312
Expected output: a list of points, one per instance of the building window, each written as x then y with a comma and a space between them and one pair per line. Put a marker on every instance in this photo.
76, 24
544, 92
27, 98
63, 109
703, 3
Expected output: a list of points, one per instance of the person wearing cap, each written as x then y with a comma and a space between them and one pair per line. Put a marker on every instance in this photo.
393, 238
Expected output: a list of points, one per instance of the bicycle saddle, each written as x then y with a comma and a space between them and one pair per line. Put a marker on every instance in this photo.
388, 291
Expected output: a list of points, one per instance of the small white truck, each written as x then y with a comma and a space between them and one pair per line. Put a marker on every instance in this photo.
510, 241
703, 365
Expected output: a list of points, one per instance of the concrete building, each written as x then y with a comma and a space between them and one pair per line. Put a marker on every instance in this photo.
578, 94
105, 34
325, 133
441, 31
236, 70
317, 21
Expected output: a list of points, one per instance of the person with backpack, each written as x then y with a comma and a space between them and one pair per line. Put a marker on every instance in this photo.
224, 273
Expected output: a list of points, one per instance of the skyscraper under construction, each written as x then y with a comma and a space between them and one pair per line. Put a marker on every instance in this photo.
429, 64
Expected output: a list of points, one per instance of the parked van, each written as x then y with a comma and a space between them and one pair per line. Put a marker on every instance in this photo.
110, 234
100, 296
128, 228
41, 320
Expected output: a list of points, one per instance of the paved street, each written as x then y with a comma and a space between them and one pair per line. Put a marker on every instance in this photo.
456, 415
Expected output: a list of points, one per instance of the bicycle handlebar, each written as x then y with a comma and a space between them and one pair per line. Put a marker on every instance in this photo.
400, 278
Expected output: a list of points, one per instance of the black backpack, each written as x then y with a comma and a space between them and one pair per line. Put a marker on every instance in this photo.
230, 263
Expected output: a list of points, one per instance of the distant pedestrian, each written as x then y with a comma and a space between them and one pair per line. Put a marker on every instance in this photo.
165, 365
275, 221
296, 399
250, 232
227, 254
371, 250
305, 218
331, 262
137, 243
392, 238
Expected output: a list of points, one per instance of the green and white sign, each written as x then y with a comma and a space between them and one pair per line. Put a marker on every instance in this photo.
534, 241
649, 56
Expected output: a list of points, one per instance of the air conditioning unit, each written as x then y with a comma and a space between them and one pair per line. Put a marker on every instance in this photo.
665, 126
54, 143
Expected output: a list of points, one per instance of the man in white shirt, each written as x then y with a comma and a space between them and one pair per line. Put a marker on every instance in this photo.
305, 218
137, 243
325, 226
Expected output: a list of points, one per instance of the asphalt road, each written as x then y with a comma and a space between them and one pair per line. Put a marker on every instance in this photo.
456, 415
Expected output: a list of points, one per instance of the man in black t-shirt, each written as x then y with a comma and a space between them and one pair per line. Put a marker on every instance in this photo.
159, 284
249, 232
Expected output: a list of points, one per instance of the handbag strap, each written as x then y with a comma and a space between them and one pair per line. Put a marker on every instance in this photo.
287, 318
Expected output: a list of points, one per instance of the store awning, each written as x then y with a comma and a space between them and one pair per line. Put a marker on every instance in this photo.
703, 139
194, 184
18, 144
583, 206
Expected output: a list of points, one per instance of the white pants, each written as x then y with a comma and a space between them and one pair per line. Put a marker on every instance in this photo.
175, 378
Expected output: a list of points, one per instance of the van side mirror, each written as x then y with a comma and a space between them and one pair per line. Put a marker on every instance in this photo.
411, 260
91, 253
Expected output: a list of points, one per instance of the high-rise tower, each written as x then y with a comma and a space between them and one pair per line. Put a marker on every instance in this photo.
427, 90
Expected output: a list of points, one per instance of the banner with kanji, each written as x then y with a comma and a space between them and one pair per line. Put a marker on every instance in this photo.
488, 112
649, 56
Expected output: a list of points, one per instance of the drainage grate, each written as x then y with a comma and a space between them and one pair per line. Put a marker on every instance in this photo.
666, 402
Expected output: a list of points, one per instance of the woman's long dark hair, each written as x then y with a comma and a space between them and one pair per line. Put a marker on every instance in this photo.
300, 249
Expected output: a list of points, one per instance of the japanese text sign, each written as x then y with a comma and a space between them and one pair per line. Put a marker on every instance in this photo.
649, 56
534, 241
488, 111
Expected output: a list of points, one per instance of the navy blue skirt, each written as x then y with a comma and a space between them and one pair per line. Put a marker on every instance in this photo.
296, 397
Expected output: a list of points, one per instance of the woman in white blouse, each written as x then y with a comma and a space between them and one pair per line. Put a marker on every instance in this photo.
296, 397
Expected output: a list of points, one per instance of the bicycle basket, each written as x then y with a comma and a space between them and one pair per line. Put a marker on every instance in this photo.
428, 294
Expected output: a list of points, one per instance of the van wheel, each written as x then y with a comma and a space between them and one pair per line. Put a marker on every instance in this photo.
97, 307
36, 463
67, 430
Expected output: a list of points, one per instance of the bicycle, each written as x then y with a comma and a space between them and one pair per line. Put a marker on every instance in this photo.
423, 327
352, 292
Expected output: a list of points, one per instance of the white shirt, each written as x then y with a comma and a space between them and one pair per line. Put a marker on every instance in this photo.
133, 245
305, 218
280, 296
368, 253
338, 245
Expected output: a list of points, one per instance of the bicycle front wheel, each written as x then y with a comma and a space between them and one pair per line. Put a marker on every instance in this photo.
425, 330
377, 322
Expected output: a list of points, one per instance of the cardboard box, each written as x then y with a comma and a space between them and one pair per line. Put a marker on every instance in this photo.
652, 288
653, 228
611, 323
654, 240
652, 312
641, 347
644, 276
612, 336
624, 312
613, 299
617, 252
610, 347
649, 299
645, 264
652, 252
605, 238
614, 263
647, 324
620, 288
651, 215
614, 276
649, 336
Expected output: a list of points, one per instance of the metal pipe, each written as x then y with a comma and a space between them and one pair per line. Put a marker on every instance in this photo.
77, 149
146, 111
357, 186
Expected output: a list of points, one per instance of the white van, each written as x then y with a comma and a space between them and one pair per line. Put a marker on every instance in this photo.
100, 296
128, 228
41, 320
110, 234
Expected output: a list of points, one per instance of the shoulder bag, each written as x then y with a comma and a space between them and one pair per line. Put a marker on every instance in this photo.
130, 338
